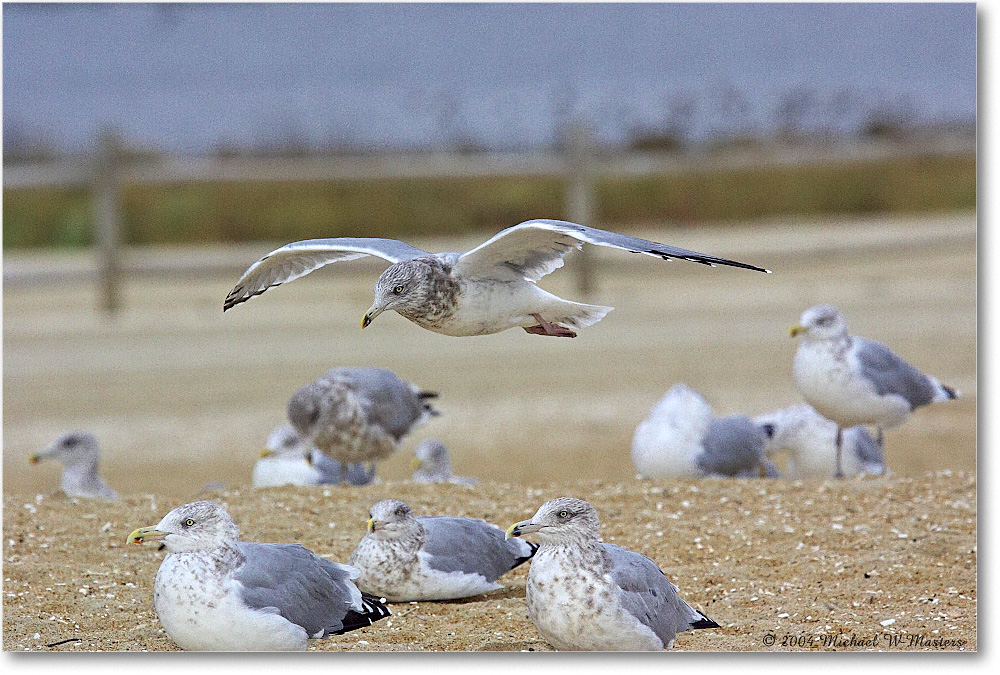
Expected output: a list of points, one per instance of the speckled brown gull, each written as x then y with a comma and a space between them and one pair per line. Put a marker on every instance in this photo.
216, 593
583, 594
486, 290
358, 414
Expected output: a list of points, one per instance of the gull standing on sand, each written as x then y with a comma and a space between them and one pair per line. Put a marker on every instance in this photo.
682, 438
486, 290
79, 453
216, 593
358, 414
431, 464
406, 558
852, 380
583, 594
286, 460
811, 442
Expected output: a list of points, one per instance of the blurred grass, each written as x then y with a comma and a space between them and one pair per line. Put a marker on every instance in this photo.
234, 212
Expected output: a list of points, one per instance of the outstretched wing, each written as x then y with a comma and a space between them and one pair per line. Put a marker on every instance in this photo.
299, 258
536, 247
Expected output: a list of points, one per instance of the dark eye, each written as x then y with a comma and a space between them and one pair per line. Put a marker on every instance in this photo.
397, 290
399, 512
188, 523
564, 514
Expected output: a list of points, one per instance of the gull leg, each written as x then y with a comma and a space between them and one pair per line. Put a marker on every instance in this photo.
878, 438
546, 328
840, 441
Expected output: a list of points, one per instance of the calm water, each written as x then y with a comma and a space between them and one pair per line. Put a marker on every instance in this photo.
197, 77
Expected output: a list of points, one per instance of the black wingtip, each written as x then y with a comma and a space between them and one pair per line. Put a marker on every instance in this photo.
374, 610
950, 391
704, 622
526, 558
428, 394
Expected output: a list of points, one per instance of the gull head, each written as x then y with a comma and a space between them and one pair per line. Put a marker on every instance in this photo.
73, 448
198, 526
822, 322
560, 521
391, 519
402, 287
432, 457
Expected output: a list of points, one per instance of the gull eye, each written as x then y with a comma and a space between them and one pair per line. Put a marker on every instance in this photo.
399, 511
188, 523
398, 289
564, 514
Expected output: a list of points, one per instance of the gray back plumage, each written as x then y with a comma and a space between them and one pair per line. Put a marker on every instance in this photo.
304, 588
649, 596
393, 404
732, 446
890, 374
473, 546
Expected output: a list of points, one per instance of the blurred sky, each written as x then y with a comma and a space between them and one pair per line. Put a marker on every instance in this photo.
192, 77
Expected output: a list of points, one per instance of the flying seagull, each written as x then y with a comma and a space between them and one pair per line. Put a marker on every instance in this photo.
852, 380
486, 290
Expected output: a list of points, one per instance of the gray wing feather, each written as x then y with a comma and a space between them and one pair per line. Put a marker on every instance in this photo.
392, 404
472, 546
890, 374
732, 445
863, 446
310, 591
648, 595
299, 258
534, 248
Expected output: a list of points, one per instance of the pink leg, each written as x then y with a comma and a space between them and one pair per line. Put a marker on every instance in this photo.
546, 328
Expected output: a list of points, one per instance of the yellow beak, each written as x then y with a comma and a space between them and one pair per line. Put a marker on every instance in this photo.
35, 459
144, 533
370, 315
371, 525
795, 330
415, 463
266, 452
523, 527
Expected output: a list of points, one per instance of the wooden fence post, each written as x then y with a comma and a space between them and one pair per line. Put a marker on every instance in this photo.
107, 225
580, 198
